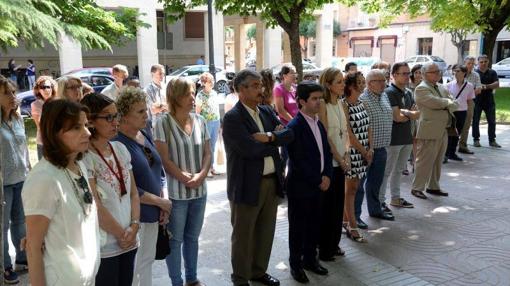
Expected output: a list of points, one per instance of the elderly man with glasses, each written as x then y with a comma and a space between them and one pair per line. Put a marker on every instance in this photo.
380, 113
436, 116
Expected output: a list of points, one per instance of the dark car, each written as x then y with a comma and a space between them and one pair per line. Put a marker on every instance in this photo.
97, 81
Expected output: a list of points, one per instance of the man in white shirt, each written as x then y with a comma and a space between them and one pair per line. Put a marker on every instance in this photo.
120, 74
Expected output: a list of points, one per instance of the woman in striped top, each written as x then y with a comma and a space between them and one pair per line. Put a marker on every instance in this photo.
182, 141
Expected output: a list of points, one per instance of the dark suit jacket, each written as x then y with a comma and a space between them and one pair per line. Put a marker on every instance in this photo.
245, 155
304, 176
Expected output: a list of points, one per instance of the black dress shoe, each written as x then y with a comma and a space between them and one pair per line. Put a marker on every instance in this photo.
455, 157
437, 192
386, 209
361, 224
299, 275
418, 194
267, 279
385, 216
316, 268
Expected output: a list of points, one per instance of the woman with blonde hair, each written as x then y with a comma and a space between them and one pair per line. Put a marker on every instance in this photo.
332, 116
45, 88
182, 140
70, 87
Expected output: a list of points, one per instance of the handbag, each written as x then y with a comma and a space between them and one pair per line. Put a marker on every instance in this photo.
163, 243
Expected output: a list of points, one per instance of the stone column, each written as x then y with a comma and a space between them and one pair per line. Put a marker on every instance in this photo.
259, 40
69, 53
239, 42
147, 42
272, 47
324, 37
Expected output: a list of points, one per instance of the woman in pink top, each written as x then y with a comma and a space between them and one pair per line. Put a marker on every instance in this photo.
461, 90
285, 94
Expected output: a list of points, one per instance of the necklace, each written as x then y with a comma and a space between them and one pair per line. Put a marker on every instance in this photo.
119, 176
81, 183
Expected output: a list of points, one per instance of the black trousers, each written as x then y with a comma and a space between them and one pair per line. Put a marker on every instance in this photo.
489, 107
117, 270
453, 141
331, 214
304, 229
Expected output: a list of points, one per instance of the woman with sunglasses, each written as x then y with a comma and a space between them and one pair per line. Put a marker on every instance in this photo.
113, 186
70, 87
182, 141
147, 169
14, 163
45, 88
62, 227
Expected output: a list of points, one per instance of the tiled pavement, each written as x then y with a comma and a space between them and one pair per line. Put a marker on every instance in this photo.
463, 239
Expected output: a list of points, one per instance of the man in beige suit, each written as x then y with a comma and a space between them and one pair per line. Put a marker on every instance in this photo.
436, 107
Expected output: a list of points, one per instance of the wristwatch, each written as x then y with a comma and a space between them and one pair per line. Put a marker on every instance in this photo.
135, 221
269, 136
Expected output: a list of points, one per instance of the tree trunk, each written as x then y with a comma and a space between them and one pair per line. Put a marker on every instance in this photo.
295, 50
459, 47
489, 41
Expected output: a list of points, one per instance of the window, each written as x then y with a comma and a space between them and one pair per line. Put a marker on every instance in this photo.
470, 48
194, 25
165, 38
425, 46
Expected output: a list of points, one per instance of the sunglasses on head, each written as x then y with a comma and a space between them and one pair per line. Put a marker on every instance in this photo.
110, 117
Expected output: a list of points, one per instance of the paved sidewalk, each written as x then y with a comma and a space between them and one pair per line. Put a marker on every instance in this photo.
463, 239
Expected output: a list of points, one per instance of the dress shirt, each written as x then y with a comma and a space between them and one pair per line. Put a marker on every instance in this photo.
268, 160
313, 122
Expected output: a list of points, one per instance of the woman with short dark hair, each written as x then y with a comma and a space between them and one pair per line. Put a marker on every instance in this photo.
61, 216
113, 186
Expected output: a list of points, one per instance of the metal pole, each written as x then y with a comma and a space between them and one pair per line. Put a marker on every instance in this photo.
212, 68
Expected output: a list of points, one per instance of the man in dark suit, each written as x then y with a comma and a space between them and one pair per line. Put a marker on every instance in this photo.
309, 174
255, 173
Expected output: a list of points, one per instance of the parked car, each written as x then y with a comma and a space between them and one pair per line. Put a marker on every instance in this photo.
503, 69
193, 72
97, 81
310, 71
422, 59
91, 70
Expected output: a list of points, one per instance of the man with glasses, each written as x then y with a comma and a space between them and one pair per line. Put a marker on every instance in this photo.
485, 102
252, 135
120, 74
436, 116
474, 79
380, 113
402, 104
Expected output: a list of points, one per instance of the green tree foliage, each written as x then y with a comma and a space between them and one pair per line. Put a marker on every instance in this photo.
35, 22
486, 16
251, 33
285, 13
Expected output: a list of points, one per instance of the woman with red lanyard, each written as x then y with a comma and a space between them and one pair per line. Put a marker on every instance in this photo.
113, 186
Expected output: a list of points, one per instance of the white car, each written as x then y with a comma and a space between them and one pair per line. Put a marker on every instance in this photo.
193, 72
310, 71
503, 69
422, 59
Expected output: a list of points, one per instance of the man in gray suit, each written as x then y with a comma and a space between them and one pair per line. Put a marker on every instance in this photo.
436, 109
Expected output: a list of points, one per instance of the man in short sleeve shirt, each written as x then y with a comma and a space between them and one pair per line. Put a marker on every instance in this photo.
485, 102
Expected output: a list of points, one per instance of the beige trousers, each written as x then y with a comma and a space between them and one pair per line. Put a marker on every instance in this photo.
429, 159
467, 124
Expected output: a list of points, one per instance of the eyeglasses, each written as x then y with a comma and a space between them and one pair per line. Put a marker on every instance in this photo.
110, 117
379, 80
403, 73
456, 70
436, 72
45, 87
148, 154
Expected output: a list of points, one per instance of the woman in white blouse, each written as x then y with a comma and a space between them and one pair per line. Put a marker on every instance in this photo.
61, 216
109, 170
332, 116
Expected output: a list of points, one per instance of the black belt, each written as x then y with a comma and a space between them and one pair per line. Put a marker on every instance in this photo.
269, 176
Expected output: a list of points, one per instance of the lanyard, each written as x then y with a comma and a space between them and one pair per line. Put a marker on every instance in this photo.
119, 176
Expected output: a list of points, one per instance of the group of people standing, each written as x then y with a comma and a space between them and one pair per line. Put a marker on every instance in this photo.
106, 158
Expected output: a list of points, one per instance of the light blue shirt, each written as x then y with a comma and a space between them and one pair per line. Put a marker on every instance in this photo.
14, 159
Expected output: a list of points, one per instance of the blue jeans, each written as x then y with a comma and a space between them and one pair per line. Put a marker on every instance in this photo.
186, 220
371, 185
13, 215
213, 127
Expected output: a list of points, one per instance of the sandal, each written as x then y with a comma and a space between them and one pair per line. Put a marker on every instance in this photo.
357, 238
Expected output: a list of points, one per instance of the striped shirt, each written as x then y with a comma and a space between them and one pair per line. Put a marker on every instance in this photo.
155, 95
381, 117
474, 78
185, 151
